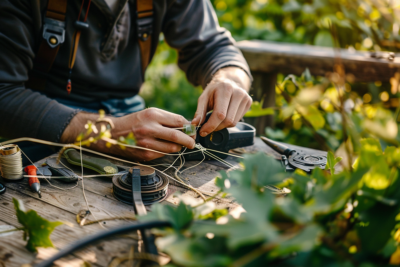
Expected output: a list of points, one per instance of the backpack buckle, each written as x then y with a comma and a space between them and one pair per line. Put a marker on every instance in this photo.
54, 32
144, 21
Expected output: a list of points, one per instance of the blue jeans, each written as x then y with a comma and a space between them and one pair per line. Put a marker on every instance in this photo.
114, 107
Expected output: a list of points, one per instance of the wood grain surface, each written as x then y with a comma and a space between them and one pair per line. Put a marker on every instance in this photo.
65, 203
268, 57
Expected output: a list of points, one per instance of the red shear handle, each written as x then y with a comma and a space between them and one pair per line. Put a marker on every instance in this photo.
31, 170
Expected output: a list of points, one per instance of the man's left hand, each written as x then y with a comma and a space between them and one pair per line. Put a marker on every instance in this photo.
227, 95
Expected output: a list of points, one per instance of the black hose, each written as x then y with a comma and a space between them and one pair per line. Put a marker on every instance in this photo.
93, 238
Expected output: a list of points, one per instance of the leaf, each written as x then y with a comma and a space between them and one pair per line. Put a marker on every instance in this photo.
294, 210
80, 137
239, 232
302, 186
130, 139
260, 170
319, 176
386, 131
324, 38
198, 251
312, 115
379, 222
256, 110
308, 96
332, 161
36, 229
305, 240
180, 216
378, 177
334, 194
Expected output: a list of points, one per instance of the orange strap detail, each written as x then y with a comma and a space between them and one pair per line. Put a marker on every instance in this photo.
56, 9
74, 49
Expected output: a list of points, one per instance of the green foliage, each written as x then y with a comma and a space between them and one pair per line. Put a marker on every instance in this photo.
358, 23
36, 229
330, 219
312, 112
256, 110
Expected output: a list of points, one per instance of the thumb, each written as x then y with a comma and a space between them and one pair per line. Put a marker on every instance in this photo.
201, 111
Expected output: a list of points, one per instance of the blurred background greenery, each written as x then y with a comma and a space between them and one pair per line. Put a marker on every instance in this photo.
369, 25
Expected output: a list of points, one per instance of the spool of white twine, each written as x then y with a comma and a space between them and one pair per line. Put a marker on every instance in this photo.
11, 162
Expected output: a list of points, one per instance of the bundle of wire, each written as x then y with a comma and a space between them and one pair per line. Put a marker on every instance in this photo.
11, 162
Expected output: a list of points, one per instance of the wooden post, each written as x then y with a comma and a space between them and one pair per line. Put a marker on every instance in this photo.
263, 89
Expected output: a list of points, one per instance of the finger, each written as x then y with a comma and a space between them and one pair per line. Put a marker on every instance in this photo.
175, 136
201, 111
234, 107
165, 118
222, 97
159, 145
244, 107
247, 107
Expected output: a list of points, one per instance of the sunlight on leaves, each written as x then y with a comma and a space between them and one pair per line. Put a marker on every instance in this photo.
256, 110
312, 115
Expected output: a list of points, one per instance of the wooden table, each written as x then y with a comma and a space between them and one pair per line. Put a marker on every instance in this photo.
63, 205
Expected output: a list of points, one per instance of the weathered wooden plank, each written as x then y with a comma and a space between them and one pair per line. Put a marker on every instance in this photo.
14, 254
12, 250
64, 235
73, 201
267, 57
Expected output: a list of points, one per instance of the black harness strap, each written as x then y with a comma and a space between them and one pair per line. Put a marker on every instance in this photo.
53, 36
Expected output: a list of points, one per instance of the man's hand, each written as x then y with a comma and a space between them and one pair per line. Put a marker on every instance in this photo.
151, 127
227, 95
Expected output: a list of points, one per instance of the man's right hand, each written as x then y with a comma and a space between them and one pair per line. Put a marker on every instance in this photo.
151, 127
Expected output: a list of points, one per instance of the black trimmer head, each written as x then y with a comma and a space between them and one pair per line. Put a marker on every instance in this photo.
229, 138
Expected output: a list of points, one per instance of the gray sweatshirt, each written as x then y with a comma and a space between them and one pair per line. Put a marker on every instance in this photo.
107, 62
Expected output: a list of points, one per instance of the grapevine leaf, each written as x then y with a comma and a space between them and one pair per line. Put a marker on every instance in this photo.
186, 252
305, 240
334, 194
179, 216
36, 229
260, 170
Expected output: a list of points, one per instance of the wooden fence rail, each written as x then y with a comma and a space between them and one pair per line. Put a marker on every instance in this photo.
267, 59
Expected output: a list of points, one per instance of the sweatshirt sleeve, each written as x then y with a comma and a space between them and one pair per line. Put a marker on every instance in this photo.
23, 112
191, 27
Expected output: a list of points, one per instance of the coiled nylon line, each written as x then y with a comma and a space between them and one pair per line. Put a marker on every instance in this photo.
11, 162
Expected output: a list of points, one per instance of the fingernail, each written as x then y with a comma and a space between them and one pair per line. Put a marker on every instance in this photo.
204, 134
